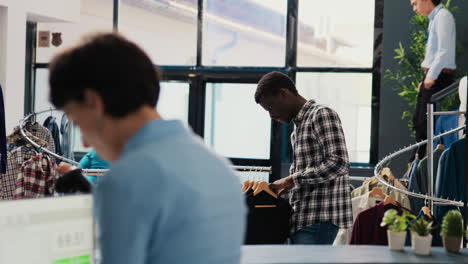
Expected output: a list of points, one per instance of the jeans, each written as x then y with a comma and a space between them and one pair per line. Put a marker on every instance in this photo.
323, 233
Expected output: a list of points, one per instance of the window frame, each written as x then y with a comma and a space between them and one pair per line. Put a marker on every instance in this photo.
198, 75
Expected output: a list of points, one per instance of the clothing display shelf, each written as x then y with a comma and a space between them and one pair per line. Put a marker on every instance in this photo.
100, 172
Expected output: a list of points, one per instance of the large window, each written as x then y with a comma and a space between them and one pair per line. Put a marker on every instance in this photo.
336, 33
235, 125
349, 94
212, 58
173, 100
244, 33
167, 30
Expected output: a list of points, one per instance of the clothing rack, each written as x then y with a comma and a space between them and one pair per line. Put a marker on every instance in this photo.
21, 127
100, 172
380, 165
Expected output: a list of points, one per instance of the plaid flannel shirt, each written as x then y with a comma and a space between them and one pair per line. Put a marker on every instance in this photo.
42, 132
37, 178
319, 170
15, 158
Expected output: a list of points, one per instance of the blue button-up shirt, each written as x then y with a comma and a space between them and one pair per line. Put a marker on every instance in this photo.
168, 199
440, 48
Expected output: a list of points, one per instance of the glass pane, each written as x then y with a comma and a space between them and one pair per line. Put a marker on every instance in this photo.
244, 32
235, 126
349, 94
173, 101
41, 103
96, 15
335, 33
166, 30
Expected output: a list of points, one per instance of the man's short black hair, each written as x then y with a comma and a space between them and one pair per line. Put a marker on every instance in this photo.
436, 2
271, 83
115, 68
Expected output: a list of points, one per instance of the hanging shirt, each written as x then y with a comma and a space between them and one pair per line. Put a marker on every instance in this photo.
367, 229
51, 124
416, 203
16, 158
367, 187
452, 183
41, 132
169, 199
444, 124
319, 169
360, 204
441, 42
266, 224
36, 178
422, 175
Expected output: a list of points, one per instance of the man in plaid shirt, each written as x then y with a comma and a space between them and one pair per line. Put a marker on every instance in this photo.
318, 183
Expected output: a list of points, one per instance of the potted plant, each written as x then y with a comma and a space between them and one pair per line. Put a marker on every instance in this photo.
396, 227
421, 238
452, 231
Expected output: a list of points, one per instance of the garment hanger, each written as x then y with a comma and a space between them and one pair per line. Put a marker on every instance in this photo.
440, 146
377, 192
426, 211
245, 186
263, 187
389, 199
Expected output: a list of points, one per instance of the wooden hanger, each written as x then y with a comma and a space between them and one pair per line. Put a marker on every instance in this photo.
245, 186
377, 192
441, 147
389, 199
426, 211
263, 186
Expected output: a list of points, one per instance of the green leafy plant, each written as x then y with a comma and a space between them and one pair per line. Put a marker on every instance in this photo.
406, 78
422, 227
452, 224
396, 222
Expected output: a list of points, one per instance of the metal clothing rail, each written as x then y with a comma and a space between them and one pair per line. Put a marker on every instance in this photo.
21, 126
99, 172
381, 163
252, 168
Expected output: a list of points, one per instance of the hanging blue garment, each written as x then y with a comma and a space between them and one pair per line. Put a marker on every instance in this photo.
446, 123
451, 179
3, 144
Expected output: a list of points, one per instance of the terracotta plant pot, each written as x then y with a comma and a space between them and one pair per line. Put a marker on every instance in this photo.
421, 244
452, 244
396, 240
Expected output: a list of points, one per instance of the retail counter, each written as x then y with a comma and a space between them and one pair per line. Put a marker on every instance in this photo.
345, 254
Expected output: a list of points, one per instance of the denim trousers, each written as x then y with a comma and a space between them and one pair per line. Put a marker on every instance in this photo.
322, 233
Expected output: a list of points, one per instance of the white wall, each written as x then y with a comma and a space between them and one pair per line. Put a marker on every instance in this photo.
14, 15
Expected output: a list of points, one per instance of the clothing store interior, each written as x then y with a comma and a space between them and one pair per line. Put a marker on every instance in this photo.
233, 131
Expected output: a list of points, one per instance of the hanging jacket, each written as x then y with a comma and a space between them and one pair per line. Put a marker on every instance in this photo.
452, 183
66, 144
51, 124
266, 224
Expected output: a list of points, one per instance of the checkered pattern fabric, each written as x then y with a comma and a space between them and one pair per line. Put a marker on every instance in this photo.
37, 178
42, 132
321, 191
15, 157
